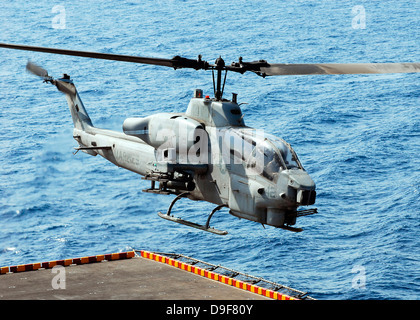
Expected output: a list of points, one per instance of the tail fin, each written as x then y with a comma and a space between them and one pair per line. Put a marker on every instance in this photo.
78, 112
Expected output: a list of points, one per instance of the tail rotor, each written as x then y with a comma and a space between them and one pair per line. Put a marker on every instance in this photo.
63, 85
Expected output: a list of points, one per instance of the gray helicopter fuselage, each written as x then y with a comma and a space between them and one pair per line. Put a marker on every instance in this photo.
258, 176
208, 153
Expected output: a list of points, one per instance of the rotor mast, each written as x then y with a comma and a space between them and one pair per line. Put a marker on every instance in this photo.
219, 66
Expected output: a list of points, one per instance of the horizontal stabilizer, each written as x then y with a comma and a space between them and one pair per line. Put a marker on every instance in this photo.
89, 149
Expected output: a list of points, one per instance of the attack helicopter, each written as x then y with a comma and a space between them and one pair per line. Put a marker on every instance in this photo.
207, 153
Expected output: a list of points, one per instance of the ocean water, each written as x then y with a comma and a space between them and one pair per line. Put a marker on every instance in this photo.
356, 135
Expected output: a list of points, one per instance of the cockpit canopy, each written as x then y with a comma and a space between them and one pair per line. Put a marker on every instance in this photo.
278, 155
264, 153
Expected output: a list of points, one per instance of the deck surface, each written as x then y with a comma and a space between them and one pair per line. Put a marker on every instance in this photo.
135, 278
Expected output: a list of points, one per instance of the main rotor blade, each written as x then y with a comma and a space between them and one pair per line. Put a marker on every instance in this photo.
337, 68
260, 67
96, 55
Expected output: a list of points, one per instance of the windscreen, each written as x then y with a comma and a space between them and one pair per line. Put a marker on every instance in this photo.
266, 154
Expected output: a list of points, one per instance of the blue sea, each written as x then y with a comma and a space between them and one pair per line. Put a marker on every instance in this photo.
358, 136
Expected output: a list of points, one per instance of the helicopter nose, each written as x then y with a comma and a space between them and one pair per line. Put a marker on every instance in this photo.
297, 187
300, 179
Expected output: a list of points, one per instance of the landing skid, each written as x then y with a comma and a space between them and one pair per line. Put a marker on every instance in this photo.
192, 224
291, 228
205, 227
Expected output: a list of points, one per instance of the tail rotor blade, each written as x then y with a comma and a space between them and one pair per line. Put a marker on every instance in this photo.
65, 87
36, 70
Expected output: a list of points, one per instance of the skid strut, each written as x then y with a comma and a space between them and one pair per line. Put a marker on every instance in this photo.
205, 227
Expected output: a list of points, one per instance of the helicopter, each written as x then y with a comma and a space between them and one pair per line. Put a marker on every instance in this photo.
207, 153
